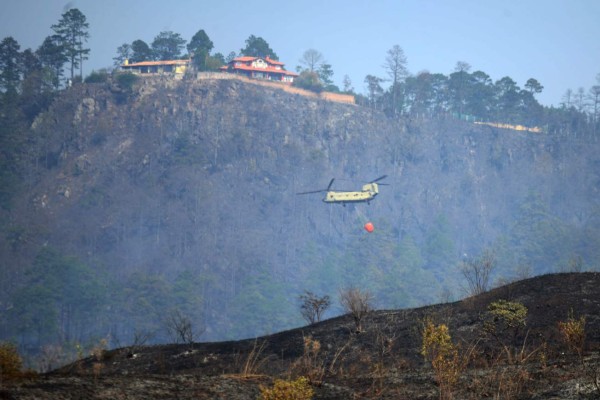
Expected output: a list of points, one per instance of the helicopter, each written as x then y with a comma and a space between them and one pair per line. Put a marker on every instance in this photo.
366, 194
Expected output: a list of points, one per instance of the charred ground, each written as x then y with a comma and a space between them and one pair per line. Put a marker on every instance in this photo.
383, 361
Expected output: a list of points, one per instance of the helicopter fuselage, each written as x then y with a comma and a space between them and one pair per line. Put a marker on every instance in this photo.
368, 192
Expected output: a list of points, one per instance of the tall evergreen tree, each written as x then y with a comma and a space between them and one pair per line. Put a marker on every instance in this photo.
508, 98
124, 52
72, 29
11, 119
52, 56
374, 88
36, 86
479, 95
325, 75
458, 84
168, 45
199, 49
140, 51
258, 47
418, 92
533, 86
10, 62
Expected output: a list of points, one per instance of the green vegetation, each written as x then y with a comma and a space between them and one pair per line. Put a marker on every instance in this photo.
505, 315
261, 295
97, 77
72, 33
309, 80
299, 389
199, 49
140, 51
58, 302
126, 81
258, 47
504, 322
167, 45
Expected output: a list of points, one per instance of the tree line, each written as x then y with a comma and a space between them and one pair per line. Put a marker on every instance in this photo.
169, 45
35, 75
65, 303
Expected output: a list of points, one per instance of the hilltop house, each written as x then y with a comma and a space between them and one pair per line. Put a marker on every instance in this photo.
260, 68
156, 67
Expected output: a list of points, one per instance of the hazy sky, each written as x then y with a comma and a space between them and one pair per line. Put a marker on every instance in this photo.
556, 42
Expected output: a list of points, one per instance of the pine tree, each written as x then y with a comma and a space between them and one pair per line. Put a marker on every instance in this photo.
73, 32
9, 66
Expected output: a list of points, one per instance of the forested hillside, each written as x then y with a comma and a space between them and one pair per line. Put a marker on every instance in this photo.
143, 199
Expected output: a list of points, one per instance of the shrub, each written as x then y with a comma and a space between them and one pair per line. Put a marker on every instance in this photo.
506, 315
503, 321
438, 349
126, 81
573, 333
299, 389
10, 362
310, 365
309, 80
97, 77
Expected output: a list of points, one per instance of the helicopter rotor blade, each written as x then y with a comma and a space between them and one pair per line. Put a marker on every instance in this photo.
313, 191
320, 190
380, 178
330, 183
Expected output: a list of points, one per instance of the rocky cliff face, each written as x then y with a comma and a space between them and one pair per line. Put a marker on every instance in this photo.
201, 176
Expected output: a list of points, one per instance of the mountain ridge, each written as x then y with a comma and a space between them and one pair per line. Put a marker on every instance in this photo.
187, 189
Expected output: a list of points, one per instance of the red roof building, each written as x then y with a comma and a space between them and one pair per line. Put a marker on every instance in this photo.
260, 68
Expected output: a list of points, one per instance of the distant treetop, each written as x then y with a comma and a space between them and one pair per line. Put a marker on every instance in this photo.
258, 47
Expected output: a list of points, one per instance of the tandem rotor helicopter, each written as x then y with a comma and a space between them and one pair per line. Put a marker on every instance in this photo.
366, 194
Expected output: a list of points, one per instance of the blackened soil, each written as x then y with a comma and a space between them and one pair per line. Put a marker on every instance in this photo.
382, 361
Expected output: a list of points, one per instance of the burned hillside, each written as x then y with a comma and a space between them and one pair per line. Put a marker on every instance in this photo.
383, 361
